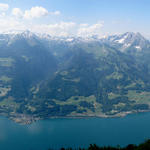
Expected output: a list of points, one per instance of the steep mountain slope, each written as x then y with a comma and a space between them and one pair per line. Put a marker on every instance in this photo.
43, 77
95, 86
128, 42
23, 65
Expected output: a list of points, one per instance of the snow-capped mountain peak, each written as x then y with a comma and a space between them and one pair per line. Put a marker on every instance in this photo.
128, 40
13, 36
27, 34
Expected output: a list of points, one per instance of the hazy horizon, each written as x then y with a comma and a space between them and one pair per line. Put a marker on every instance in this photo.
76, 18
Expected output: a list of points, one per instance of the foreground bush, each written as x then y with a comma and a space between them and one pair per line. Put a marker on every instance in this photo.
143, 146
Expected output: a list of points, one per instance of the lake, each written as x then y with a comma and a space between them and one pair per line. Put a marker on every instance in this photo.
56, 133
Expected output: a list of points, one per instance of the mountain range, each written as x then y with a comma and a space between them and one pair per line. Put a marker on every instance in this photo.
43, 77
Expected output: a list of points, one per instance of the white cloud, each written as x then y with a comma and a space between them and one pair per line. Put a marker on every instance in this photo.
35, 12
2, 14
58, 29
55, 13
83, 25
11, 24
4, 7
17, 12
61, 28
69, 29
89, 30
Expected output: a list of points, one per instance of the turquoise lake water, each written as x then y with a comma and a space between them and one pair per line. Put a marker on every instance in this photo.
56, 133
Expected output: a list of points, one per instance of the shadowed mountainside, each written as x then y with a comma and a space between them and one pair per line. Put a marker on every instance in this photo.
45, 77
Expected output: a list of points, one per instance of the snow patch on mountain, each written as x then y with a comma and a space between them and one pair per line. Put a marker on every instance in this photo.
138, 47
120, 41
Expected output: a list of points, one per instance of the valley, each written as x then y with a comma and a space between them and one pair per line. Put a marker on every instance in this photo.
43, 77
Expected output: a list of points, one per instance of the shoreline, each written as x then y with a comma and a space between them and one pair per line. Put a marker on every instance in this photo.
25, 119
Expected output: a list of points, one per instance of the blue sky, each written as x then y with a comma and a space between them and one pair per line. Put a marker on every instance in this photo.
77, 17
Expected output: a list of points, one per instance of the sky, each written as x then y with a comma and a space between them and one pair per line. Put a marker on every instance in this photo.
76, 17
